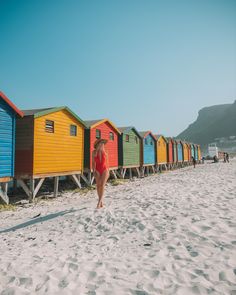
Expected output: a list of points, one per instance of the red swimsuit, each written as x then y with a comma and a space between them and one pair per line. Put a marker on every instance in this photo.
100, 163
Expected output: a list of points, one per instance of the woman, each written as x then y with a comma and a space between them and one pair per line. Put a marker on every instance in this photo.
100, 168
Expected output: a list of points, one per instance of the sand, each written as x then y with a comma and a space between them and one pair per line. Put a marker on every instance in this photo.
171, 233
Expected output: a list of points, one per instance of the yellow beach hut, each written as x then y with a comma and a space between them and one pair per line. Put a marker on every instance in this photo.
161, 150
185, 152
49, 143
199, 152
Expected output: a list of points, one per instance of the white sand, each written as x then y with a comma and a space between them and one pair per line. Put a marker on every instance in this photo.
188, 218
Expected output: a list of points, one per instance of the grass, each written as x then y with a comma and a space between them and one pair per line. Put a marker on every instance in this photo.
8, 207
115, 182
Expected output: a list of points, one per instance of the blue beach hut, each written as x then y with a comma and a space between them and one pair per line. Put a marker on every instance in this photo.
148, 150
179, 151
8, 113
192, 151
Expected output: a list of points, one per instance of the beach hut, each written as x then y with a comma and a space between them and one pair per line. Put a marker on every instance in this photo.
129, 147
49, 143
192, 151
199, 152
195, 152
96, 129
8, 114
185, 152
148, 152
170, 155
161, 152
180, 152
189, 152
175, 153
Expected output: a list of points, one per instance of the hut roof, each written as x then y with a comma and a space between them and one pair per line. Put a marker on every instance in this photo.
42, 112
94, 123
144, 134
158, 136
128, 128
11, 104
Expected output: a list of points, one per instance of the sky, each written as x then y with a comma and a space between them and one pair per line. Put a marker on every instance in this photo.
151, 64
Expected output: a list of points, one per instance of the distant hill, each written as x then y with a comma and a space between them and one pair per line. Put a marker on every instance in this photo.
212, 124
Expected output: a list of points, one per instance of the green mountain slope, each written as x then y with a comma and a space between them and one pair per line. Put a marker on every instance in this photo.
212, 122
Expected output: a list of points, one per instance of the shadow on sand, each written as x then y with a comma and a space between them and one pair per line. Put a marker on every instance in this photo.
37, 220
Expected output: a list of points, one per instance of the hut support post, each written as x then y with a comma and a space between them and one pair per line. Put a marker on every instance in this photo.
130, 173
138, 172
35, 191
153, 169
56, 184
123, 174
113, 173
3, 192
76, 179
25, 188
119, 173
89, 180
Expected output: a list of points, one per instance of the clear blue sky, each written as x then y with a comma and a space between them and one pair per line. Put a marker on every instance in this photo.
152, 64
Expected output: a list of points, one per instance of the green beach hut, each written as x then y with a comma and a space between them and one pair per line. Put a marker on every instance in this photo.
129, 148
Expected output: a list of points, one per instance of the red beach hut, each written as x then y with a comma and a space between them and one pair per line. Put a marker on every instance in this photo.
96, 129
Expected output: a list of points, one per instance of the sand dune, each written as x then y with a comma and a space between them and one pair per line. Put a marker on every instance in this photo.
173, 233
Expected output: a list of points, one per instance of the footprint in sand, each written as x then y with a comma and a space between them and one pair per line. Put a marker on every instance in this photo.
63, 283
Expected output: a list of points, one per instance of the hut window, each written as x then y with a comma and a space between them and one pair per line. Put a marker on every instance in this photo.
73, 130
98, 133
136, 139
49, 126
146, 141
127, 138
111, 136
151, 142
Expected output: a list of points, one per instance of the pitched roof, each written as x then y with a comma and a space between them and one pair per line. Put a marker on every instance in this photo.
94, 123
127, 129
35, 111
42, 112
90, 123
11, 104
158, 136
143, 134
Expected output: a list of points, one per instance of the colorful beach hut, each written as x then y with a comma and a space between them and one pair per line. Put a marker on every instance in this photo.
8, 114
96, 129
189, 152
195, 152
199, 152
161, 152
185, 152
170, 156
180, 152
129, 147
148, 151
192, 151
175, 153
49, 143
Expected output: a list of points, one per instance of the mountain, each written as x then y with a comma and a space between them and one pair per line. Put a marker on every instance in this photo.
215, 123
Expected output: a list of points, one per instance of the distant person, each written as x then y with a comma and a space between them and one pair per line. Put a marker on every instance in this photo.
194, 162
215, 159
224, 157
100, 168
227, 157
203, 160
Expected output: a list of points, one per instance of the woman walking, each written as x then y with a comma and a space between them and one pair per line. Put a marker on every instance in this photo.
100, 168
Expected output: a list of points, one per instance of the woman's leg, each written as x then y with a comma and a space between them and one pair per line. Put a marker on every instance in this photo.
103, 181
98, 185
